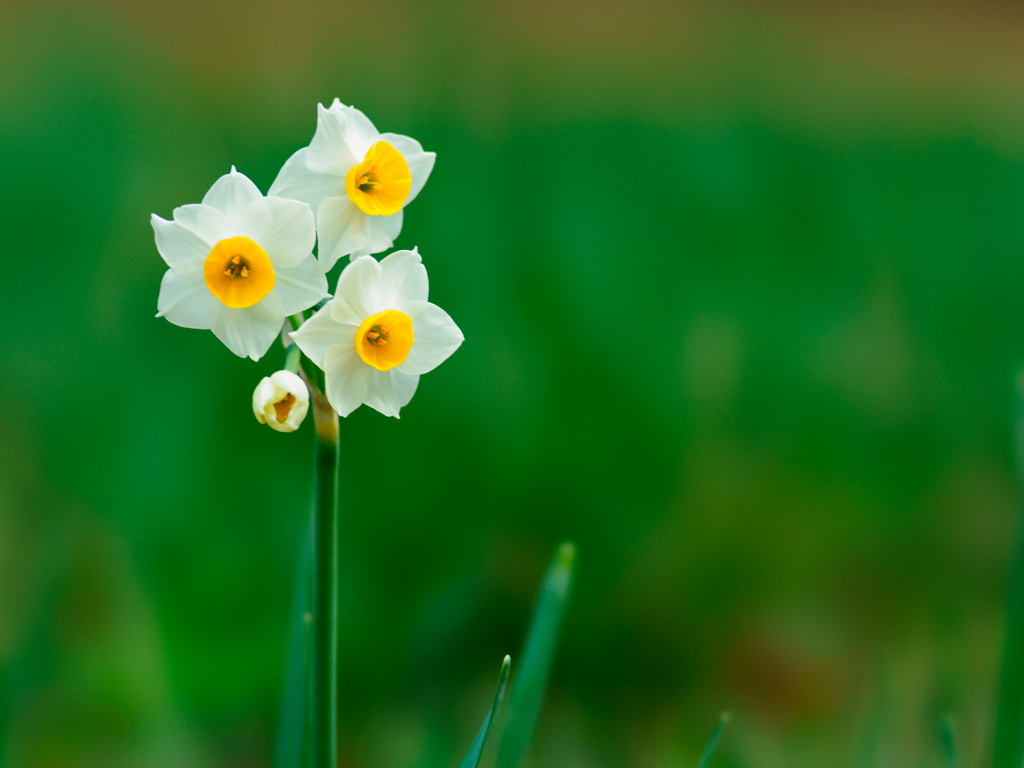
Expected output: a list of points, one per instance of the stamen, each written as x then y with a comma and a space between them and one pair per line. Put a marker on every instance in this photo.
238, 272
237, 267
384, 339
378, 335
380, 184
367, 182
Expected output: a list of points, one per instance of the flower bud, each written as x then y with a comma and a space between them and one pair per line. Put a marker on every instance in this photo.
281, 401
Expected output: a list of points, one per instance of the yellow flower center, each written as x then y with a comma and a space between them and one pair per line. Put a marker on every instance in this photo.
384, 339
283, 407
238, 272
380, 184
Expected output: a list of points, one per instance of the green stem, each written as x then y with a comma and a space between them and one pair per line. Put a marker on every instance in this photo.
292, 358
324, 666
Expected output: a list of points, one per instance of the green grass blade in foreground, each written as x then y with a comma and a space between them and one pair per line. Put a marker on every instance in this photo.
532, 675
292, 738
947, 734
716, 736
472, 758
1008, 749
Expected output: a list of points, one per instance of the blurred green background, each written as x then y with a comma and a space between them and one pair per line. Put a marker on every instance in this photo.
741, 289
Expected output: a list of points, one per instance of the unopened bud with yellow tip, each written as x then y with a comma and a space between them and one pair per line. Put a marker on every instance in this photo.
281, 401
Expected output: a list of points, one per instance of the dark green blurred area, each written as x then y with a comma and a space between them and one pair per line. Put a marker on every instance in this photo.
741, 288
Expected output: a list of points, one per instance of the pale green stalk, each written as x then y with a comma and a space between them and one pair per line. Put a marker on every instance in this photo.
292, 358
324, 666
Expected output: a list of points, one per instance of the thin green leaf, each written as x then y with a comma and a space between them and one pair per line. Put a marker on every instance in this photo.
947, 735
1008, 750
716, 736
531, 678
472, 758
292, 738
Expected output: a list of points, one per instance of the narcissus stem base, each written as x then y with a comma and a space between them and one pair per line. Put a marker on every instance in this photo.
324, 661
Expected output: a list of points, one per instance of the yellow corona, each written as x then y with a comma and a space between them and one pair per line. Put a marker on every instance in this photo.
380, 184
384, 339
238, 272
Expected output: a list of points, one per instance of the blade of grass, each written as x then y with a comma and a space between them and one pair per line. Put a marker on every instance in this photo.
1008, 749
531, 679
716, 736
292, 737
472, 758
947, 734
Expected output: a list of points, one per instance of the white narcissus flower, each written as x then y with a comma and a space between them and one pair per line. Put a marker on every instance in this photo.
356, 180
281, 401
378, 334
240, 263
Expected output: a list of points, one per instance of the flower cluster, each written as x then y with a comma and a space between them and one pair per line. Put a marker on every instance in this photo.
241, 264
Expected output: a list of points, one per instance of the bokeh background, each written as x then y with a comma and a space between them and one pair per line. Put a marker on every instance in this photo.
741, 286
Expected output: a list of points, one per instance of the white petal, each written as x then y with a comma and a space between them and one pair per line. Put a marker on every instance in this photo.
402, 278
184, 302
248, 332
420, 167
296, 182
359, 288
340, 226
182, 249
346, 314
295, 417
290, 383
435, 337
359, 131
320, 333
348, 378
380, 233
208, 223
420, 163
275, 388
389, 391
264, 396
331, 149
283, 228
231, 194
301, 286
